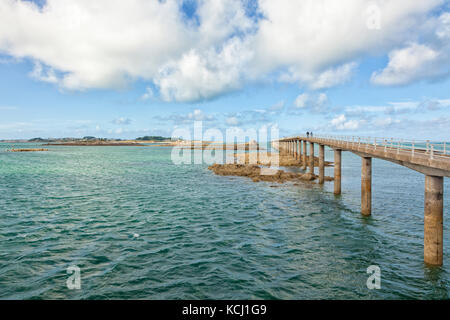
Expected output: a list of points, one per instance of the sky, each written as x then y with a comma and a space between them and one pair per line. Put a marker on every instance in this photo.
124, 69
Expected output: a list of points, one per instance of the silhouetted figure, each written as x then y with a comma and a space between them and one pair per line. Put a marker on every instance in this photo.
311, 135
307, 134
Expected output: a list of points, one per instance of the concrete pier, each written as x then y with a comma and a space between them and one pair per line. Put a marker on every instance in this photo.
311, 157
321, 164
305, 155
337, 171
433, 162
366, 186
433, 220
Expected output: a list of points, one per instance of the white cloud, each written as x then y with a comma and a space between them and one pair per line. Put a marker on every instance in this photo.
300, 101
122, 121
83, 44
99, 44
199, 115
149, 94
45, 75
406, 65
315, 102
419, 61
204, 75
322, 80
341, 123
232, 121
310, 37
384, 122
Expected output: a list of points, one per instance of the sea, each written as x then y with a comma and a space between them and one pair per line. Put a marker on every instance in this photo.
129, 223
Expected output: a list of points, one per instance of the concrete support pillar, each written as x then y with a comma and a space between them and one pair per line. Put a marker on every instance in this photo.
300, 152
305, 155
296, 149
433, 221
321, 164
337, 171
311, 157
366, 186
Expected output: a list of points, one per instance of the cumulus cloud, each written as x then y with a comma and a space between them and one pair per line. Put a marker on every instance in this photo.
204, 75
82, 44
418, 61
99, 44
384, 122
122, 121
406, 65
315, 102
342, 123
321, 80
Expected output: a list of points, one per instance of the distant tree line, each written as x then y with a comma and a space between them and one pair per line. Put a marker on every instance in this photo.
153, 138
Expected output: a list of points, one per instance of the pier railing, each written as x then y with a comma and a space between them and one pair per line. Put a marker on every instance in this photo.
432, 149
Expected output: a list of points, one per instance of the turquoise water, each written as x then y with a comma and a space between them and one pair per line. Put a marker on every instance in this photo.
140, 227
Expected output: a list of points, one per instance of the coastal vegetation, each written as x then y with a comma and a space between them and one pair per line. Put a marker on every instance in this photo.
153, 138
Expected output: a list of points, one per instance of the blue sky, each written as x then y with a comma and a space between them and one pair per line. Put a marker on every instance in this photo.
73, 68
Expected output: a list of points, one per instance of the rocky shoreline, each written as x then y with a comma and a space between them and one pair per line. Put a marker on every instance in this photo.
257, 167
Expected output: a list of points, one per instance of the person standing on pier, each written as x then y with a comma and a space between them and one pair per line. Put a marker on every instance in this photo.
307, 134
